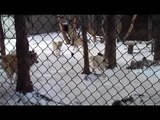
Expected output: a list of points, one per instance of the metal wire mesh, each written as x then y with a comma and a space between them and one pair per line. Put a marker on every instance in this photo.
58, 78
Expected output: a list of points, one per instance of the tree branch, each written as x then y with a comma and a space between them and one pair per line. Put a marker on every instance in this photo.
130, 28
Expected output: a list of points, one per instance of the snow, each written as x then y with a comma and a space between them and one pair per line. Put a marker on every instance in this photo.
61, 81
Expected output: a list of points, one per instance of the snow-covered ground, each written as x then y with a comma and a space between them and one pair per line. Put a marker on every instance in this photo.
60, 79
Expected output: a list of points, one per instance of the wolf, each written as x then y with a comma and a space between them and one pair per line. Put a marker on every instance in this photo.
78, 42
98, 61
9, 64
144, 62
57, 47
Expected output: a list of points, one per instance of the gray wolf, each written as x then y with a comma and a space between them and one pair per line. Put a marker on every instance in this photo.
140, 64
98, 61
9, 64
78, 42
57, 47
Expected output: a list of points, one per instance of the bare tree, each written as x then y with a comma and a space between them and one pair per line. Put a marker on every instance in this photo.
130, 27
2, 45
110, 40
130, 46
149, 27
86, 69
124, 29
24, 84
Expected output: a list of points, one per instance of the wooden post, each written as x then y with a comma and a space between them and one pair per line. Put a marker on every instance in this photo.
130, 49
130, 45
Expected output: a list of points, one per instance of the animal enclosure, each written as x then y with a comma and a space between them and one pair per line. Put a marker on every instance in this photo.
64, 75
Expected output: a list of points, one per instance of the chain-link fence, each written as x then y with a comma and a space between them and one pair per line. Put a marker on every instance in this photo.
85, 60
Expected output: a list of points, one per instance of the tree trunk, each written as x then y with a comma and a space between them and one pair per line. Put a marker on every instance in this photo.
150, 32
24, 83
118, 28
110, 40
157, 49
149, 27
130, 49
156, 36
86, 69
130, 28
152, 46
2, 44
